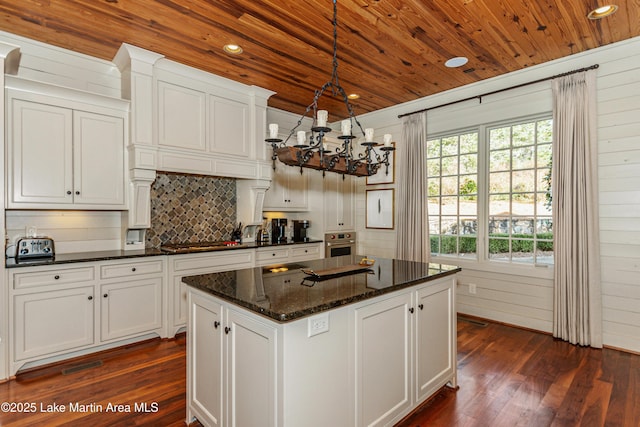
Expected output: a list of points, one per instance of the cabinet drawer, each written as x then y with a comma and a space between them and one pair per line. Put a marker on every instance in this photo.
130, 269
305, 253
53, 277
272, 255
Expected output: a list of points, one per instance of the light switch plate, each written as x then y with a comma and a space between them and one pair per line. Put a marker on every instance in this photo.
31, 231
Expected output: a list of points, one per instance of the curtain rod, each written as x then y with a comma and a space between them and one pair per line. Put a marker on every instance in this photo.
479, 97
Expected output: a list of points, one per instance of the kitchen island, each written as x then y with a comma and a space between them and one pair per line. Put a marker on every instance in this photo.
277, 346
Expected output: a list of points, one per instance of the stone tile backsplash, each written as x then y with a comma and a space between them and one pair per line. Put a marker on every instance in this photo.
190, 208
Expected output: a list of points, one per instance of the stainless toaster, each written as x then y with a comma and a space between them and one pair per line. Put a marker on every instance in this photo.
33, 247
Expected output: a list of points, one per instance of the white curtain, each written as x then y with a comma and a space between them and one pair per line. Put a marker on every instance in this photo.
577, 286
412, 230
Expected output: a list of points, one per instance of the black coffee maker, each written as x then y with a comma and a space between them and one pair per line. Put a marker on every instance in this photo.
300, 228
279, 230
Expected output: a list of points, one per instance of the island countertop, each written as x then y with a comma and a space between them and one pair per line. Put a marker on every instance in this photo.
283, 292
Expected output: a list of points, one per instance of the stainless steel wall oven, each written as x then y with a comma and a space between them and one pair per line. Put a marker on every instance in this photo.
338, 244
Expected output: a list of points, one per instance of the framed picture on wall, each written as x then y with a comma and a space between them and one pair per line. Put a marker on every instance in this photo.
380, 208
384, 176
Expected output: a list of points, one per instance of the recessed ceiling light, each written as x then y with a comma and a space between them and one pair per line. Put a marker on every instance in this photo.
458, 61
233, 49
353, 96
603, 11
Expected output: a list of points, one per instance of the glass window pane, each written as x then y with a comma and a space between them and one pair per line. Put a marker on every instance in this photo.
469, 225
449, 225
469, 164
449, 185
524, 158
523, 181
524, 134
499, 249
434, 226
499, 182
544, 180
500, 138
545, 131
500, 160
433, 167
499, 226
499, 205
523, 204
433, 186
449, 205
433, 148
468, 185
468, 245
450, 165
522, 227
469, 143
468, 206
433, 206
435, 244
449, 146
544, 155
544, 228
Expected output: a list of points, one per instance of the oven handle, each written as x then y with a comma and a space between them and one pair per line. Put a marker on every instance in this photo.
351, 242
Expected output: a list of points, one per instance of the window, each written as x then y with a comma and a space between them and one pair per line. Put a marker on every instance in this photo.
504, 201
519, 192
452, 180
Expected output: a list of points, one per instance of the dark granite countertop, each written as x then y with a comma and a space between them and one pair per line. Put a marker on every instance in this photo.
284, 293
82, 257
120, 254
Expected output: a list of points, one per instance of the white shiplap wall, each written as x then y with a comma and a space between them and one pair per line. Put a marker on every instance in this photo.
524, 296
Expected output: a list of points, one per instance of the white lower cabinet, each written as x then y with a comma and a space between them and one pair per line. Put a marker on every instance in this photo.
199, 263
383, 360
58, 312
288, 253
129, 308
53, 321
405, 351
231, 366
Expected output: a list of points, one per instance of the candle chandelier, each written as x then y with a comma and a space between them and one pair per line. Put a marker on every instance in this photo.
312, 152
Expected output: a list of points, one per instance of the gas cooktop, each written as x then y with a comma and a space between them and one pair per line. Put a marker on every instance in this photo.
199, 246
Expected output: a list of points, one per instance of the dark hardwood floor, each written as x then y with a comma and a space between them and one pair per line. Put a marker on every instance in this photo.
507, 377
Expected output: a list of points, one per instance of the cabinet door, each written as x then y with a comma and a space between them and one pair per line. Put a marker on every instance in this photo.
41, 138
228, 127
98, 153
435, 338
181, 117
383, 360
339, 195
205, 388
50, 322
130, 308
288, 190
251, 368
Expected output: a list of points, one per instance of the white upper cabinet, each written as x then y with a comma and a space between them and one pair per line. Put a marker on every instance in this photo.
229, 127
206, 124
98, 159
339, 202
288, 190
64, 153
181, 117
192, 118
42, 155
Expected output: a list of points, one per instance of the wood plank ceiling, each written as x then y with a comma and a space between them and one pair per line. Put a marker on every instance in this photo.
389, 51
